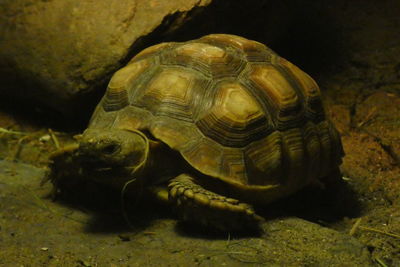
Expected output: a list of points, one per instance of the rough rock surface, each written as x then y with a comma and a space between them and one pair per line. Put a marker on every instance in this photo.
37, 231
56, 51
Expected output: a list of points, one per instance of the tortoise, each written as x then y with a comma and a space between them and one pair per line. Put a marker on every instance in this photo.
212, 126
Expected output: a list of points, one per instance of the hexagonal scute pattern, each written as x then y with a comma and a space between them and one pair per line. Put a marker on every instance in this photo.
235, 118
232, 107
212, 61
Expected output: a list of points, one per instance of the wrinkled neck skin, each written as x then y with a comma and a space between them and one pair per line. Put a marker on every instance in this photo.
162, 164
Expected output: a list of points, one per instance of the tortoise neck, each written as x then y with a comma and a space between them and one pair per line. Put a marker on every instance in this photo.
162, 164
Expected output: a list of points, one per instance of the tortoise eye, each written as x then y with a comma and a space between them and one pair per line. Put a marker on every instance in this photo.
110, 149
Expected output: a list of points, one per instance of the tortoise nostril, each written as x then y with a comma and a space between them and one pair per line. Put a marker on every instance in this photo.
110, 149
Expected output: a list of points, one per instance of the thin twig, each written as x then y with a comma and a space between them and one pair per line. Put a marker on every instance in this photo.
39, 201
379, 231
41, 205
386, 146
19, 148
256, 255
368, 118
228, 240
54, 138
149, 233
355, 226
380, 262
6, 131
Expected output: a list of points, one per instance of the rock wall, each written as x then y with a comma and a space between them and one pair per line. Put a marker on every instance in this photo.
56, 53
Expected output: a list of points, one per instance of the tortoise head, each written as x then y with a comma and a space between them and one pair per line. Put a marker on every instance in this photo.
115, 148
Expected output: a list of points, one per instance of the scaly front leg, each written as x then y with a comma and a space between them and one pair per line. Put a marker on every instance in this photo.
197, 204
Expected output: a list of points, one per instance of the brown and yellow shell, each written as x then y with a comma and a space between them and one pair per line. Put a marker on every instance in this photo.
233, 108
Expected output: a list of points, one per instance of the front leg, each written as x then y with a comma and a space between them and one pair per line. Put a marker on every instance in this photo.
197, 204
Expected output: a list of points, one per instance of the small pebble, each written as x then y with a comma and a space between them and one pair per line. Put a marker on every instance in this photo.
45, 138
124, 238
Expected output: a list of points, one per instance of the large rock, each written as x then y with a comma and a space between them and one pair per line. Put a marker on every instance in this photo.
56, 52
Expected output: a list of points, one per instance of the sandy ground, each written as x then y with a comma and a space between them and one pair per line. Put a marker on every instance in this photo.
37, 231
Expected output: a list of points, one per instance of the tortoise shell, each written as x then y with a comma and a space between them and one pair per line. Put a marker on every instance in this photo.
232, 107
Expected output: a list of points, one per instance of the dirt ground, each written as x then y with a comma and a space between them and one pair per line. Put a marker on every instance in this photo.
37, 231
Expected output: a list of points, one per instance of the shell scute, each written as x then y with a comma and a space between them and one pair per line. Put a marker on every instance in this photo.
211, 61
294, 160
309, 89
169, 94
116, 96
232, 162
205, 156
265, 157
283, 101
235, 118
152, 51
232, 107
253, 51
207, 53
179, 137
